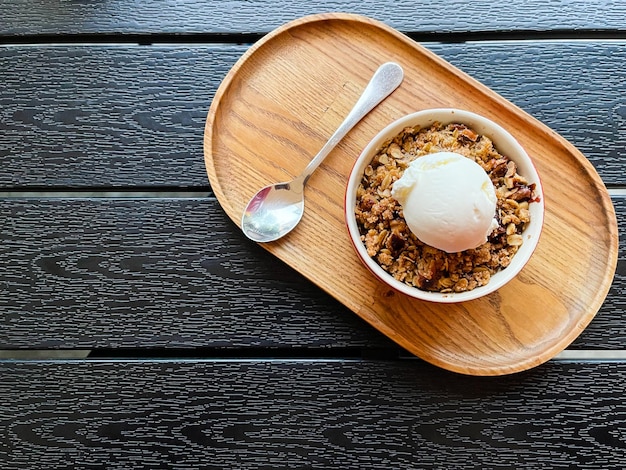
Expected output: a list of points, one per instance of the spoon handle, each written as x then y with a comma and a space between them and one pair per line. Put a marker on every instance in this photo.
385, 80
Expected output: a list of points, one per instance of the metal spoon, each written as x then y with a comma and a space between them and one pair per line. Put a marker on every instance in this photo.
276, 209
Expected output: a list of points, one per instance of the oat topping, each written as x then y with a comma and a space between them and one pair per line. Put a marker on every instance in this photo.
396, 249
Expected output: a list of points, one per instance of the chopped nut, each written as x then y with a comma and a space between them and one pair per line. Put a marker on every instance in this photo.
468, 134
461, 285
386, 181
395, 151
511, 229
521, 193
511, 169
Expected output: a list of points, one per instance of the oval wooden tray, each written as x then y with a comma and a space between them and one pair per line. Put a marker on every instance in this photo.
285, 97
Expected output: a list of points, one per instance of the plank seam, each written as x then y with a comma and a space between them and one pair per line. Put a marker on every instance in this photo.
182, 38
262, 354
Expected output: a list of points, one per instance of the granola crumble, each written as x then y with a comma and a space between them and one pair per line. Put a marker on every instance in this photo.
396, 249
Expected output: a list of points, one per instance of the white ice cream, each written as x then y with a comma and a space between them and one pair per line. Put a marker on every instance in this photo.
448, 201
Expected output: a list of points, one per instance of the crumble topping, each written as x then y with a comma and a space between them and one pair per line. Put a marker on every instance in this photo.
398, 251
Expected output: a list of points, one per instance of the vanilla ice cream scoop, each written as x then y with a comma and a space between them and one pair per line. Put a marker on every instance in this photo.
448, 201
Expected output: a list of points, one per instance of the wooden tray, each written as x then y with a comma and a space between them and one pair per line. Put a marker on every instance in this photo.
285, 97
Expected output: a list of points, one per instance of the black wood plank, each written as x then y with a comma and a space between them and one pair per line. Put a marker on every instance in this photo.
309, 414
94, 116
23, 17
99, 116
177, 273
154, 273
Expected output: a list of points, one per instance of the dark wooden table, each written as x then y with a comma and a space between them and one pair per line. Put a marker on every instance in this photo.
140, 329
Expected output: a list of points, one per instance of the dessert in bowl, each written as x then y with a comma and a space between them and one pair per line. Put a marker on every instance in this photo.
444, 205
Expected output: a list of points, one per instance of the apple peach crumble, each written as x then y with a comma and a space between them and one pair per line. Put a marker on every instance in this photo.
398, 250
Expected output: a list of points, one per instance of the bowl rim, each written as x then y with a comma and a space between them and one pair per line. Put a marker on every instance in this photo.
502, 139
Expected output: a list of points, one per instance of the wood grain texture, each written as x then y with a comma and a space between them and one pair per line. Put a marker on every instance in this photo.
151, 274
63, 125
176, 273
23, 17
93, 116
303, 414
250, 141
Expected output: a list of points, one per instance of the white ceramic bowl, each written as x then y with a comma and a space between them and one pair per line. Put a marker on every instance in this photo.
505, 144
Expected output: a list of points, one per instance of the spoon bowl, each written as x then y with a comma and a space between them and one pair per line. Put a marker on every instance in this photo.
275, 210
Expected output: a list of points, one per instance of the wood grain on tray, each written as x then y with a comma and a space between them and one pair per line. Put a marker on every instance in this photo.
285, 97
